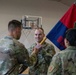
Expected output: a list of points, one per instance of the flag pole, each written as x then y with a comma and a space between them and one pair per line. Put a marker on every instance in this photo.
43, 40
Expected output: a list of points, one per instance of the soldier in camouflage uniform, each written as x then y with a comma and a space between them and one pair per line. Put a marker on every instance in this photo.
44, 56
12, 53
64, 62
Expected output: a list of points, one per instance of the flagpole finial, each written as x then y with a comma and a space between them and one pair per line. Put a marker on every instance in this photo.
75, 24
75, 2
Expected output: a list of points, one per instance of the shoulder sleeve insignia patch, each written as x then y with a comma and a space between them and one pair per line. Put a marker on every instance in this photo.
51, 68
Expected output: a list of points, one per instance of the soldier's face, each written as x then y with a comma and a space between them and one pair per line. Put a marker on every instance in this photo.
17, 33
39, 35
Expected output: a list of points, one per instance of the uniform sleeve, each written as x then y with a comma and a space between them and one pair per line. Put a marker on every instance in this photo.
21, 54
33, 57
55, 66
26, 58
50, 50
48, 53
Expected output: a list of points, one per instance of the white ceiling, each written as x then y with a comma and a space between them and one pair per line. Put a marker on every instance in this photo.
66, 2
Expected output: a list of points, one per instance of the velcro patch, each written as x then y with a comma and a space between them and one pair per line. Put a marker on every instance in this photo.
51, 68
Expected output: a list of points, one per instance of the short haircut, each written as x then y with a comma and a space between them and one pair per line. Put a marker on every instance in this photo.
39, 28
71, 36
14, 24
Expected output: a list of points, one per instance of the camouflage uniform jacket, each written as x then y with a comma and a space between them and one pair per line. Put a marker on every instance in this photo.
11, 51
43, 59
64, 62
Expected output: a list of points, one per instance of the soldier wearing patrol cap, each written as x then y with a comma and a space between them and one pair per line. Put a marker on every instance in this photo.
64, 62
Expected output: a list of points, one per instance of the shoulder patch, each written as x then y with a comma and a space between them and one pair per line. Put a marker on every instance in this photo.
51, 68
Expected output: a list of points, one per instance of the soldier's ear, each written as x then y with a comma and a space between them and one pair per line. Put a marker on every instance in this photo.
66, 42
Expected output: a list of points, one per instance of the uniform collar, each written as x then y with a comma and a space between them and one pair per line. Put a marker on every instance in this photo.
8, 37
71, 48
